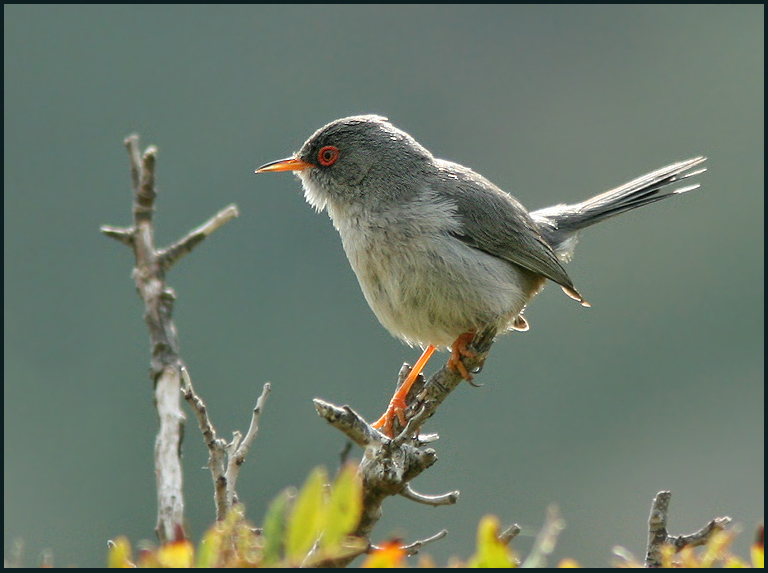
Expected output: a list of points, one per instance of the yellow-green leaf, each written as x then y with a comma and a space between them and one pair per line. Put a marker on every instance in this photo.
307, 518
491, 551
120, 554
209, 549
344, 508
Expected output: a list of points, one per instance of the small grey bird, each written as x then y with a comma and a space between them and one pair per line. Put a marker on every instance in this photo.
439, 251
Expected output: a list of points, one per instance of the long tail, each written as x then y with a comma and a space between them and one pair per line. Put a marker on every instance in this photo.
560, 224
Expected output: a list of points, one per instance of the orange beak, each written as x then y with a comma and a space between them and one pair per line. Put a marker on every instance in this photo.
289, 164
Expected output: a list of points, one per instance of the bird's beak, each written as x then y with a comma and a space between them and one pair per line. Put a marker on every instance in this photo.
288, 164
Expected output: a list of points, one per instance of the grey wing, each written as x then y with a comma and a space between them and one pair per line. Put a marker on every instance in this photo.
492, 221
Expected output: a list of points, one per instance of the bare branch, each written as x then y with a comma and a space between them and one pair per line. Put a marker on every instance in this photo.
224, 459
158, 301
253, 430
658, 535
171, 255
125, 236
700, 537
240, 449
350, 422
413, 548
217, 448
165, 365
449, 498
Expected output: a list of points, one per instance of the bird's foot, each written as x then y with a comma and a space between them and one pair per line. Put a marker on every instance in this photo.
459, 350
398, 404
396, 408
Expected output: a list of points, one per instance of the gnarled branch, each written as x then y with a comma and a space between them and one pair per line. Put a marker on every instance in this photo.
389, 464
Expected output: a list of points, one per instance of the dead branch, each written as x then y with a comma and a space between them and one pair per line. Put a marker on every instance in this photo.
658, 536
165, 366
224, 459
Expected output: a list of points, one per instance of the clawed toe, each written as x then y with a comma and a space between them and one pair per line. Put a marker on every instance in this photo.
459, 350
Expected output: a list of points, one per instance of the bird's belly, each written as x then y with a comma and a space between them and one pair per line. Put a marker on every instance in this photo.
431, 290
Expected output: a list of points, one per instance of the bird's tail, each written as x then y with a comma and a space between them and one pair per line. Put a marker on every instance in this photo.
560, 224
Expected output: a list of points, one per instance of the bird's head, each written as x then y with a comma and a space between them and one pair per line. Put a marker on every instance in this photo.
361, 160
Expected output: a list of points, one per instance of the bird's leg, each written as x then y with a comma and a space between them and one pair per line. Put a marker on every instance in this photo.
460, 349
397, 404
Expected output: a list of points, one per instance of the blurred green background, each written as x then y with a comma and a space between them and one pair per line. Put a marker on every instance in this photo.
658, 386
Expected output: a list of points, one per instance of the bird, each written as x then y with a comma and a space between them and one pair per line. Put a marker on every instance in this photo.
439, 251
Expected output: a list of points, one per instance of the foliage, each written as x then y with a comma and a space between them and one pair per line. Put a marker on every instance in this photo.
300, 529
314, 525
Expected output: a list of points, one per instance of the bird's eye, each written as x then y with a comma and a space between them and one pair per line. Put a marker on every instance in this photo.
328, 155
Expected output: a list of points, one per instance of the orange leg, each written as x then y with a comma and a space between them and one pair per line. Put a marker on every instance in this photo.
397, 403
460, 349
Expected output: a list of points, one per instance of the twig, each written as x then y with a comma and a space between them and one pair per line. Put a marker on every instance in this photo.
659, 536
237, 457
224, 459
171, 255
449, 498
413, 548
546, 539
510, 533
165, 365
125, 236
217, 448
350, 423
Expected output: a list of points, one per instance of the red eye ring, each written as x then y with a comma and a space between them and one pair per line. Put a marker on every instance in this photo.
328, 155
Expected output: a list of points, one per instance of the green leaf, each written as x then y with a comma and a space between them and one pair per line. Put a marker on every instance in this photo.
208, 551
344, 509
274, 526
307, 518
